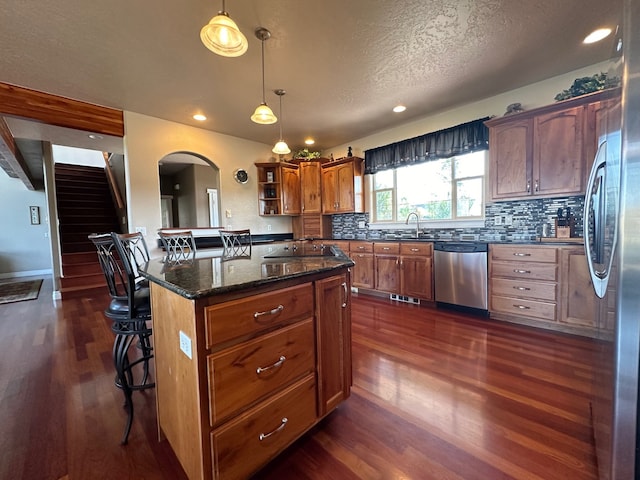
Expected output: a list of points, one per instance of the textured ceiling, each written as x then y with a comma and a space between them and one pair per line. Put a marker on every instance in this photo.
344, 64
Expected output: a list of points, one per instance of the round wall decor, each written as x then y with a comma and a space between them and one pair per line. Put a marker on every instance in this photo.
241, 175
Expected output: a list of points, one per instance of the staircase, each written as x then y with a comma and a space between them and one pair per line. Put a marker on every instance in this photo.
85, 206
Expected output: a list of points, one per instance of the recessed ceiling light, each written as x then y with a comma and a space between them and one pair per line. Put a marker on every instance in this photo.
95, 136
597, 35
199, 117
399, 108
309, 141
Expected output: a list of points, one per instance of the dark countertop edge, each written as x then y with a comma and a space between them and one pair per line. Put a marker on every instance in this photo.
345, 262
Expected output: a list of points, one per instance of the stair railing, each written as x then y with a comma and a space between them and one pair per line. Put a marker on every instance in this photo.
113, 185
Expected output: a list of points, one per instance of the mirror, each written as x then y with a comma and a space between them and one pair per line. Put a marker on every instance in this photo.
189, 187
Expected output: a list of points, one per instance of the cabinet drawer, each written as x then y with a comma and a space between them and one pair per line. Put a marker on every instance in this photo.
416, 248
243, 445
523, 289
531, 271
342, 245
524, 253
522, 307
243, 374
256, 313
386, 248
361, 247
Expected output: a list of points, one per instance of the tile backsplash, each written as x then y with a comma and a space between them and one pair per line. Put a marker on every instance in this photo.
526, 218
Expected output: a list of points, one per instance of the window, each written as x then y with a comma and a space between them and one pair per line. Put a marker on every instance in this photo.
445, 189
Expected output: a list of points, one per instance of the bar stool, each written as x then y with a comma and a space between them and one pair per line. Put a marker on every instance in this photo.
236, 243
179, 246
129, 311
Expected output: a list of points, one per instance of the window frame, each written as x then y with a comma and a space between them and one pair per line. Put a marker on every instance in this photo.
475, 221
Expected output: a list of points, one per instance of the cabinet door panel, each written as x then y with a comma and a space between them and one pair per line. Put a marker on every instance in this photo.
417, 277
344, 180
579, 306
510, 158
363, 272
310, 186
329, 192
290, 191
558, 160
387, 279
333, 320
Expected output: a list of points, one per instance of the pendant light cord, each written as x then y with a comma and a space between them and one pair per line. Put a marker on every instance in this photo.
281, 117
263, 96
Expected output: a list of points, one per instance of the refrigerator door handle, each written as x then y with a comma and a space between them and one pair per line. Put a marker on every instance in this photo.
593, 208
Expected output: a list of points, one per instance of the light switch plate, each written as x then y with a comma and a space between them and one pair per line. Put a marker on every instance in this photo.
497, 220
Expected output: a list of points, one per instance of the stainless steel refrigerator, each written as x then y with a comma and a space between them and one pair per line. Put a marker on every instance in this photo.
612, 246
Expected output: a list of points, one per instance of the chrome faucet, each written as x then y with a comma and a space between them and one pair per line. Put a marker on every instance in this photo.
417, 222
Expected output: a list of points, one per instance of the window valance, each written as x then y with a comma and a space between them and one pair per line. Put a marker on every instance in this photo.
464, 138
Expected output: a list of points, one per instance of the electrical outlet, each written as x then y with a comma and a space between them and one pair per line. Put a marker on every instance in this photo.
185, 345
229, 226
361, 224
268, 228
142, 230
497, 220
508, 220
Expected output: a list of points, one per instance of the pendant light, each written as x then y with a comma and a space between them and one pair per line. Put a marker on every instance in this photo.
281, 148
222, 36
263, 114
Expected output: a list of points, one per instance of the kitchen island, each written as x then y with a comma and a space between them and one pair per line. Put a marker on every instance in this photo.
250, 353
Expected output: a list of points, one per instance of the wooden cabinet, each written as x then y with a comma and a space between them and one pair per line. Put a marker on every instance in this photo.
387, 267
543, 152
311, 226
416, 270
362, 273
523, 282
310, 186
278, 188
333, 306
579, 303
559, 162
260, 368
342, 186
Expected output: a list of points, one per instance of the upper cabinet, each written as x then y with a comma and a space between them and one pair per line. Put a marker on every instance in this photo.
342, 186
311, 191
543, 152
278, 188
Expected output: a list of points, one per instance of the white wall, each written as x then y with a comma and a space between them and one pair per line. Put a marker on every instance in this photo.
24, 248
532, 96
78, 156
149, 139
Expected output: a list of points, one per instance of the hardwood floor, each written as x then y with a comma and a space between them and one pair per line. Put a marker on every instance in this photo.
436, 395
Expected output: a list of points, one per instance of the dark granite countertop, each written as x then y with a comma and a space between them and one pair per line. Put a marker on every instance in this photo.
209, 273
544, 241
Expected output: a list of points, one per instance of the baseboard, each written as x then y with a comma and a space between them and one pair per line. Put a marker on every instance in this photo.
29, 273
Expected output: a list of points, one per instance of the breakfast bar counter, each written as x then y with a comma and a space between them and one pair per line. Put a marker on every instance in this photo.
250, 353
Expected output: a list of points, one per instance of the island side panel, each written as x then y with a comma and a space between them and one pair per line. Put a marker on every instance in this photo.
178, 380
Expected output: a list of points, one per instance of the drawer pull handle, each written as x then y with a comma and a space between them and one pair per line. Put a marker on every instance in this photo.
522, 307
385, 248
360, 248
522, 289
518, 254
521, 271
280, 361
283, 423
415, 249
346, 295
273, 311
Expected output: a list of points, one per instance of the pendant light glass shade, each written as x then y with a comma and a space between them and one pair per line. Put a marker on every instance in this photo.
263, 114
281, 147
222, 36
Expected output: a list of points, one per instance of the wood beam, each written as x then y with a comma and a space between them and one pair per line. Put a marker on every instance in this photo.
11, 159
55, 110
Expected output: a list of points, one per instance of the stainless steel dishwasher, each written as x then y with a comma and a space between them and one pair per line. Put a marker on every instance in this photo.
461, 274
